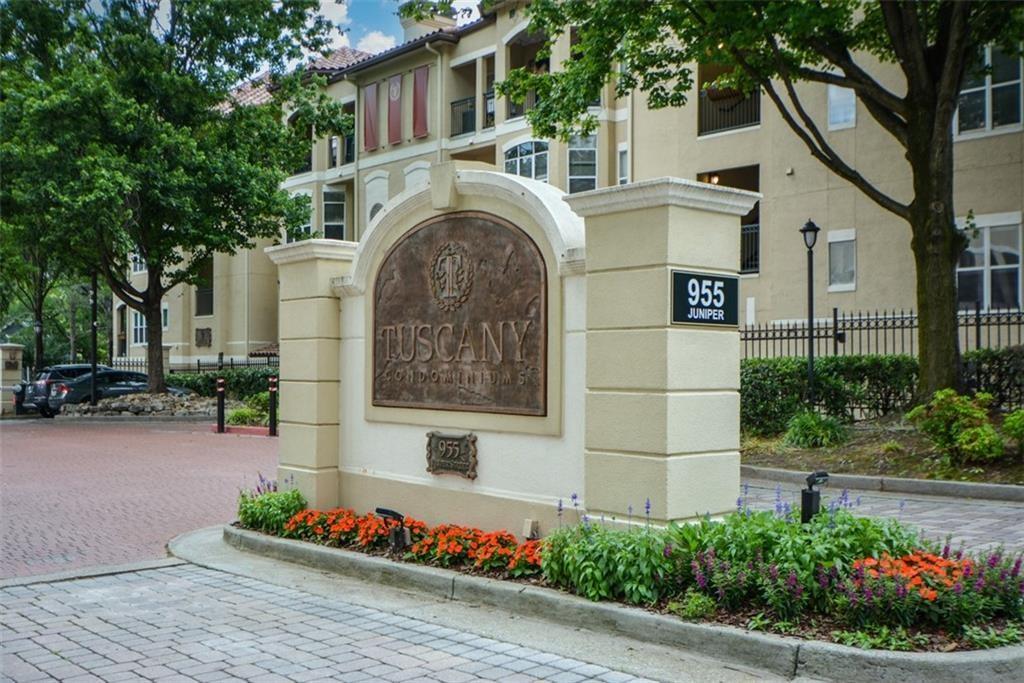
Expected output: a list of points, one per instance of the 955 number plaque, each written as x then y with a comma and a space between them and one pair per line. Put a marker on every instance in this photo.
451, 454
704, 299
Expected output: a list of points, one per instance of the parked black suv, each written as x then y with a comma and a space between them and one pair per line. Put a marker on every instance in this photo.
109, 383
37, 393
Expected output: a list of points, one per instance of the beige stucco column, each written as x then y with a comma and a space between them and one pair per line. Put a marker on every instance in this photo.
662, 400
10, 375
310, 347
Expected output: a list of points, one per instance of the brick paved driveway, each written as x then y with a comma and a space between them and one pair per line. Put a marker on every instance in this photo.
78, 493
186, 623
977, 524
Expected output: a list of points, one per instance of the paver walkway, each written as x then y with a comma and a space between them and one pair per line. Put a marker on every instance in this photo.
978, 524
185, 623
79, 493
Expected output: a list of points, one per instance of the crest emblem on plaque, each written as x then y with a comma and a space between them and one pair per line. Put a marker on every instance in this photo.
451, 276
395, 89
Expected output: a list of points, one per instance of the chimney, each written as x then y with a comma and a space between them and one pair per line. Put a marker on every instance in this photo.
415, 28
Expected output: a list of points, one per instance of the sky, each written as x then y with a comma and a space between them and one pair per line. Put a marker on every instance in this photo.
368, 25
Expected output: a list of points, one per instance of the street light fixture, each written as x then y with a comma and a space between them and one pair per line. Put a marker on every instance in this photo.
810, 235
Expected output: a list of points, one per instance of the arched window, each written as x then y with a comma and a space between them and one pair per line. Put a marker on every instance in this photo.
375, 209
529, 159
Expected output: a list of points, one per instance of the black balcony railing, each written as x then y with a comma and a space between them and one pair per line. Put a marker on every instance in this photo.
517, 109
750, 248
464, 116
719, 111
489, 109
348, 149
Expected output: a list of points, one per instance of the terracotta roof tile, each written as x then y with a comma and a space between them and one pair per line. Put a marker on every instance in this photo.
339, 59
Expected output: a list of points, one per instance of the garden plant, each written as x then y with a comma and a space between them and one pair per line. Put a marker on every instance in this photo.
847, 578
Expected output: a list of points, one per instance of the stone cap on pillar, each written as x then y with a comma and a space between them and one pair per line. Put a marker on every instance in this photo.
311, 250
667, 191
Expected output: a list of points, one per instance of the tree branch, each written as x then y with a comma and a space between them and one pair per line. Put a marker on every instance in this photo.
893, 123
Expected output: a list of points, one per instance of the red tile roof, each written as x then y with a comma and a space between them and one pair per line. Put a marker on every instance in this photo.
339, 59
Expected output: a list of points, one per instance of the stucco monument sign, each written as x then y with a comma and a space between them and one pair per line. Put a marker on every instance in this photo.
530, 344
460, 319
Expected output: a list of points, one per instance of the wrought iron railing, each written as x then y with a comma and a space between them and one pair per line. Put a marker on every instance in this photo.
489, 109
139, 364
750, 248
720, 111
463, 116
517, 109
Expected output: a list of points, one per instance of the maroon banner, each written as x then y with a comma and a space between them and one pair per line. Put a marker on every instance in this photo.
419, 102
395, 109
370, 118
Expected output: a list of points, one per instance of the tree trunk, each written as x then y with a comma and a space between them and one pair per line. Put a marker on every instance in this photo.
154, 333
937, 245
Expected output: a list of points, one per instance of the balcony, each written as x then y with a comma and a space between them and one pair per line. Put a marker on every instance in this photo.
517, 109
722, 110
750, 248
463, 116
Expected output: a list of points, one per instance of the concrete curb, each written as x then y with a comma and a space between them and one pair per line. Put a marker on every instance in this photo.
925, 487
777, 654
90, 572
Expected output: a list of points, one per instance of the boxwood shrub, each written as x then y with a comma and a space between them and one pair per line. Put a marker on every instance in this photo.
241, 383
773, 390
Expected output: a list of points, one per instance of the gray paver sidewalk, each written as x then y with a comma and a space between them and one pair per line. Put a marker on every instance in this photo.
186, 623
978, 524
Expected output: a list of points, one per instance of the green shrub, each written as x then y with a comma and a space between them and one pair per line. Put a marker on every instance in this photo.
959, 426
773, 390
984, 638
880, 638
269, 512
694, 606
259, 402
606, 564
246, 416
240, 383
1013, 425
808, 429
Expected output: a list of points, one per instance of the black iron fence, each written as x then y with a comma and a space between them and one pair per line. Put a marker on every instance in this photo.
878, 332
140, 364
750, 248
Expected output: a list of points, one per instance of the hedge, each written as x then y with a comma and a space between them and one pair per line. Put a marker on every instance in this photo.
240, 383
773, 390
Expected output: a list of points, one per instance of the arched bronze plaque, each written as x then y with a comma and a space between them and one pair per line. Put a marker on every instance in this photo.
460, 319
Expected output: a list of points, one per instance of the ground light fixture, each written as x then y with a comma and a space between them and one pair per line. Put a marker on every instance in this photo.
810, 499
810, 235
398, 536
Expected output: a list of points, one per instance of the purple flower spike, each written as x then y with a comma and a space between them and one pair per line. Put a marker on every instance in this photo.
773, 571
739, 504
979, 585
647, 507
993, 560
958, 588
667, 552
945, 552
1016, 568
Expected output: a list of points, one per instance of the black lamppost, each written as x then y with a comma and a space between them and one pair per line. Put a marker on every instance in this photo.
810, 235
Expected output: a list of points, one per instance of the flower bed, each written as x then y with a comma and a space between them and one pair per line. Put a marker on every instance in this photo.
848, 579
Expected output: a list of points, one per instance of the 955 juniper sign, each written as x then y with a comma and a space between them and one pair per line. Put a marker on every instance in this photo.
704, 299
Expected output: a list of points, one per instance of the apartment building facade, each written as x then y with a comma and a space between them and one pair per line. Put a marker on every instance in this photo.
431, 99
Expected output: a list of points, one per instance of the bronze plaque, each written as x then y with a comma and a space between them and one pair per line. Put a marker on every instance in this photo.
447, 454
204, 336
460, 319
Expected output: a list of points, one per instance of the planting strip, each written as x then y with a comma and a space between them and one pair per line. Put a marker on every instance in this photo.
777, 654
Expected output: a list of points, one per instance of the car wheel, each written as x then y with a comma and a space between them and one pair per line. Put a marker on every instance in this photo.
46, 412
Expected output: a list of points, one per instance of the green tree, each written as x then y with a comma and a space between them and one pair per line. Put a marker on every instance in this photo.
773, 46
161, 162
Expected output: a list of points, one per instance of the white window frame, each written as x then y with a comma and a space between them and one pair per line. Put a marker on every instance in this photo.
573, 146
140, 334
982, 223
138, 264
333, 151
838, 236
835, 90
622, 151
987, 89
532, 156
344, 201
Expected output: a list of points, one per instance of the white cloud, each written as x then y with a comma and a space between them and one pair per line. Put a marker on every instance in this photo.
375, 41
336, 12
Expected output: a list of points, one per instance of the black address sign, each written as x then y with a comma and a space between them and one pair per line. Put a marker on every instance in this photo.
705, 299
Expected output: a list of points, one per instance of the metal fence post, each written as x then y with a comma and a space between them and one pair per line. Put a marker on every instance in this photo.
272, 418
220, 361
220, 405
